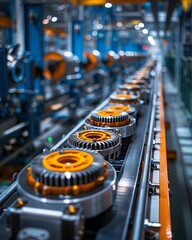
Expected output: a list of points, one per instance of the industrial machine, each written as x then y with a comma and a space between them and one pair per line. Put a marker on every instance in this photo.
103, 180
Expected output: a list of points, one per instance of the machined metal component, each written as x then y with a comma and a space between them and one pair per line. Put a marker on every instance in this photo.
41, 223
139, 82
127, 99
111, 120
86, 181
130, 87
92, 60
57, 214
71, 169
136, 88
108, 117
129, 109
59, 64
108, 144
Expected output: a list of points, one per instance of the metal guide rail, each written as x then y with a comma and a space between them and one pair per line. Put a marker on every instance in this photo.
131, 207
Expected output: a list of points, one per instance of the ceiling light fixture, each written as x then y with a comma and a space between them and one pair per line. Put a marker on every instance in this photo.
141, 25
54, 19
145, 31
108, 5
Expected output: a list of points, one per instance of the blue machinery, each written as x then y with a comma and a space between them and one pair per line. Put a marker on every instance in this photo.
27, 99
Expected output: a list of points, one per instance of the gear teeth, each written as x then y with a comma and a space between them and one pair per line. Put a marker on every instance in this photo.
65, 179
123, 116
109, 147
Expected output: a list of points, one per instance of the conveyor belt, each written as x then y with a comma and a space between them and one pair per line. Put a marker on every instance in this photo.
128, 169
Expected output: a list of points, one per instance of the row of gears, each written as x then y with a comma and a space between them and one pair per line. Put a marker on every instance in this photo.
80, 168
80, 165
78, 181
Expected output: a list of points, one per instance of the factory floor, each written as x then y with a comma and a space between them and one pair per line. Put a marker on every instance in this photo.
179, 139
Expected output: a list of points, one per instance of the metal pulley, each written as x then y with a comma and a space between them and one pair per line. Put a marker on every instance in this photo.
112, 120
91, 60
58, 64
111, 58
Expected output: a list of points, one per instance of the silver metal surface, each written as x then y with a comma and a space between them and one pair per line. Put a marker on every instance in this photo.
109, 147
79, 126
138, 227
125, 131
93, 202
126, 187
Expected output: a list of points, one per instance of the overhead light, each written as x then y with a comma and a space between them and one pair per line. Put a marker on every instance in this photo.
145, 31
137, 27
54, 19
96, 53
108, 5
119, 24
141, 25
99, 26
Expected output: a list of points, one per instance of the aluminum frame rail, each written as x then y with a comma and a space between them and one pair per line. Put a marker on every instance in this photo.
144, 185
141, 203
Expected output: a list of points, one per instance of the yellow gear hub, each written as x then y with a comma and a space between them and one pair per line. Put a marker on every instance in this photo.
67, 161
90, 135
109, 112
120, 108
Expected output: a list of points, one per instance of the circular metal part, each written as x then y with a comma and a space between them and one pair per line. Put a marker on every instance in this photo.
129, 109
108, 144
139, 82
59, 64
127, 99
109, 118
92, 60
124, 98
94, 202
130, 87
71, 169
125, 131
111, 58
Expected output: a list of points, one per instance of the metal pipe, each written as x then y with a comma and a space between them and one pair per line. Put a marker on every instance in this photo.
144, 185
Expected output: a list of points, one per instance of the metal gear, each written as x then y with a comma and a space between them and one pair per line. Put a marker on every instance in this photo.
109, 117
129, 109
124, 98
127, 99
106, 143
130, 87
139, 82
67, 168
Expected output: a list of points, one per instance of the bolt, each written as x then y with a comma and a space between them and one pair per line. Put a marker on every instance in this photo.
72, 210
